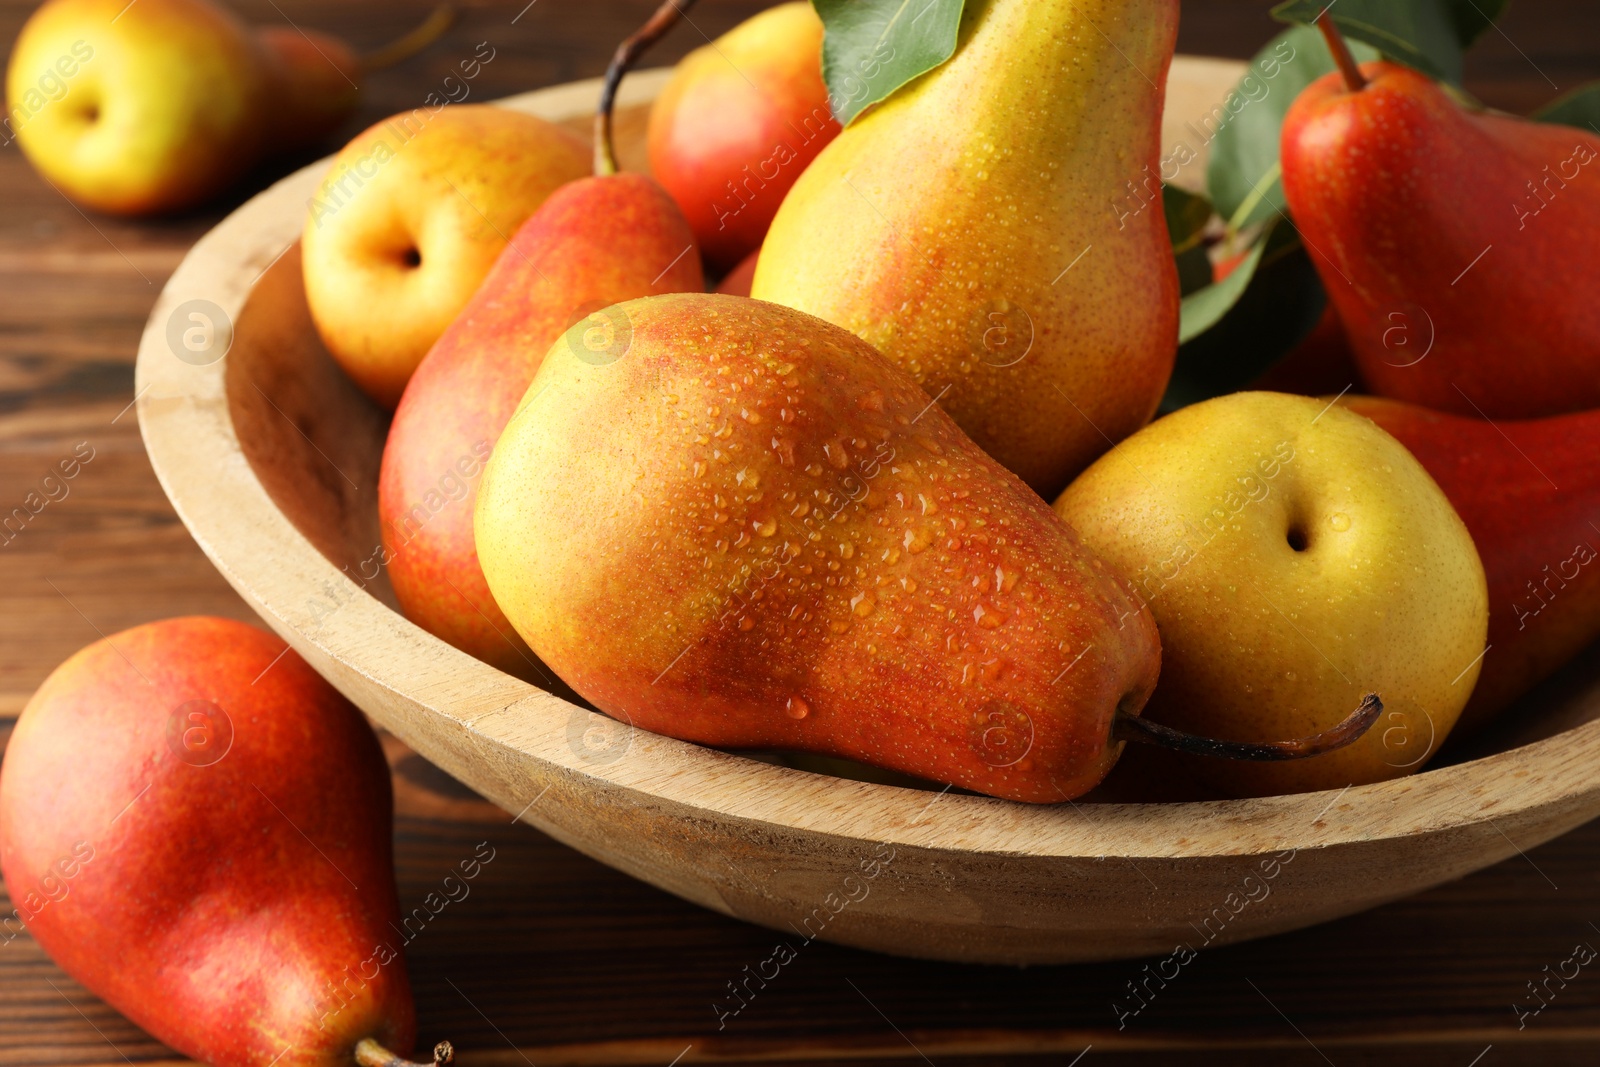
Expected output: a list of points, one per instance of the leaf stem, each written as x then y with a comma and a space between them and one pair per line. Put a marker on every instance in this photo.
1132, 728
628, 52
1341, 54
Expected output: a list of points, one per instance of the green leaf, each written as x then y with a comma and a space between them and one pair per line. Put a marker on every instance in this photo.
1243, 131
873, 47
1580, 108
1187, 215
1258, 313
1430, 35
1205, 308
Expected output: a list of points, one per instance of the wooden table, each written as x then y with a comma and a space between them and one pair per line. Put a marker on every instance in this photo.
555, 959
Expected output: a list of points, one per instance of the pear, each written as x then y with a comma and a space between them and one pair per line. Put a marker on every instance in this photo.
980, 228
410, 217
596, 241
740, 525
738, 123
1529, 491
1294, 556
1437, 231
198, 828
137, 109
159, 105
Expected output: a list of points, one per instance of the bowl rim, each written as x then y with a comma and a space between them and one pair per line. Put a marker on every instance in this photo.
189, 435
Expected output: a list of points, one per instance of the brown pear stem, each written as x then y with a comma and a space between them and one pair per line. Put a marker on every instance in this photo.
627, 54
1132, 728
371, 1054
1341, 54
403, 48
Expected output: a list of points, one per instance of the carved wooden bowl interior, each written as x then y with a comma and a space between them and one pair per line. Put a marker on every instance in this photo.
270, 456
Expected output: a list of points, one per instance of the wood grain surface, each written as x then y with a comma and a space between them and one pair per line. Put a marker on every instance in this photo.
555, 959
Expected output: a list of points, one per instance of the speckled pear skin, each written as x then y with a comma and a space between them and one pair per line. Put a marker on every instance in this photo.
750, 530
981, 229
1261, 640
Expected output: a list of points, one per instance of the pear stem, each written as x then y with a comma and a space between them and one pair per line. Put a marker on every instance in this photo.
1341, 54
628, 53
371, 1054
1132, 728
403, 48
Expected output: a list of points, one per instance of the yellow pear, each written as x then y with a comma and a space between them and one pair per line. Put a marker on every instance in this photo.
1295, 557
991, 228
136, 109
410, 218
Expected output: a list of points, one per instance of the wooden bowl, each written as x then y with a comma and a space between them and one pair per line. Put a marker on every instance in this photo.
270, 456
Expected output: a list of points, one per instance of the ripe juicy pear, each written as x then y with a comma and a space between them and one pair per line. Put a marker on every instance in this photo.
1529, 491
738, 123
1295, 557
739, 525
1452, 243
595, 242
198, 828
136, 109
978, 228
410, 218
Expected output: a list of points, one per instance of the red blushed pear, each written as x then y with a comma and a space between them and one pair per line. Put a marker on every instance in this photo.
594, 243
738, 122
1469, 236
1529, 493
747, 528
197, 827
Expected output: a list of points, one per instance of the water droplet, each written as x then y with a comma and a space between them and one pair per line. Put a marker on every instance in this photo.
909, 584
797, 708
1339, 521
862, 604
765, 528
987, 617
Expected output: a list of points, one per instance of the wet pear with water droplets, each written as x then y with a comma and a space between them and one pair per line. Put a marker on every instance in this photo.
742, 526
995, 229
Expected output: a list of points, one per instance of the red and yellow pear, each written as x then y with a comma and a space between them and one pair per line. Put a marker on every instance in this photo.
975, 227
1436, 230
594, 243
197, 827
740, 120
408, 221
